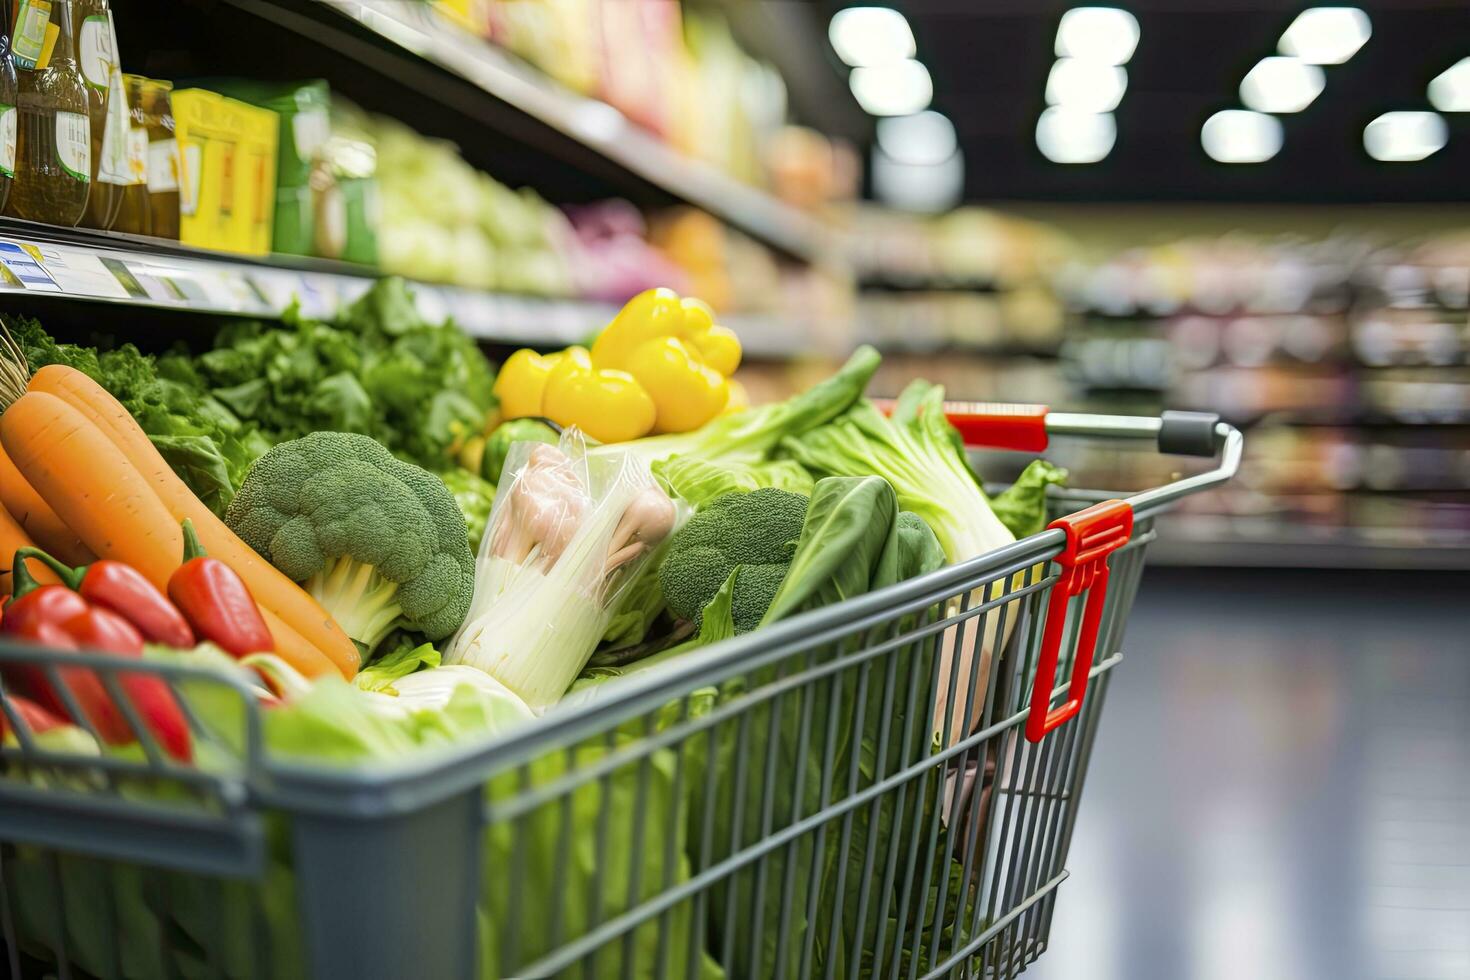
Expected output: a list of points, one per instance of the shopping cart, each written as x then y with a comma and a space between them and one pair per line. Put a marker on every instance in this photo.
882, 787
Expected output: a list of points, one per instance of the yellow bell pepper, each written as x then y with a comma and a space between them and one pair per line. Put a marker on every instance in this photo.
674, 349
739, 398
686, 392
608, 405
522, 381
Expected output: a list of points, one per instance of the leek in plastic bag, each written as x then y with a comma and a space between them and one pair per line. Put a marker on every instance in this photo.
567, 535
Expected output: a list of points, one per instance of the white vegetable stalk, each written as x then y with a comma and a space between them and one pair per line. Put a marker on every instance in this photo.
961, 645
566, 535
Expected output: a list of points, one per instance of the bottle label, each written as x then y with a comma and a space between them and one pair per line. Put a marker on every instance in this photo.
96, 51
163, 166
137, 155
74, 144
32, 18
7, 140
113, 167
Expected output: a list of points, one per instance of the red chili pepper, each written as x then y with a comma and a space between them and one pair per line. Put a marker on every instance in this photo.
58, 618
216, 602
35, 718
123, 589
41, 624
103, 629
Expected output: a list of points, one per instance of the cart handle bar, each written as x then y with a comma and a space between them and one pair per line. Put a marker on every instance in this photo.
1093, 534
1028, 428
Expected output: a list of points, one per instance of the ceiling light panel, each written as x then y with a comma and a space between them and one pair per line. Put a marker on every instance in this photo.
1326, 35
1066, 135
1404, 137
1104, 34
866, 37
1091, 86
1450, 89
1241, 136
923, 139
1282, 84
899, 88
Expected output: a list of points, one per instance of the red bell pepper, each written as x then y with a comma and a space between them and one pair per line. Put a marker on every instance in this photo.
58, 618
122, 589
216, 602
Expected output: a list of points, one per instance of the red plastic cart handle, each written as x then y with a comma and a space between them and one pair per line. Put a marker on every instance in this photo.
995, 425
1092, 535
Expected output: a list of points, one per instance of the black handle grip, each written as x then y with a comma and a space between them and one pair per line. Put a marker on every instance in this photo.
1188, 433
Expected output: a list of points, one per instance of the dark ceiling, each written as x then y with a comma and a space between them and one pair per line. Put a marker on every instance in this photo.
990, 58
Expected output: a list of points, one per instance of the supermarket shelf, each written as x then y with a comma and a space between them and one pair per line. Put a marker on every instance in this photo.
418, 30
881, 284
1196, 542
49, 263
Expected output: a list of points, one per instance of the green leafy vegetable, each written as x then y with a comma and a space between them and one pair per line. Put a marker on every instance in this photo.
382, 672
914, 452
699, 481
1022, 506
379, 369
848, 526
854, 541
206, 443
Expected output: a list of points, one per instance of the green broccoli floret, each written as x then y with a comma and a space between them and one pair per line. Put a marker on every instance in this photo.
380, 543
755, 531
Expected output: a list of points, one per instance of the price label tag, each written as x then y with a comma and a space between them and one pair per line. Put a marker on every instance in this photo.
24, 269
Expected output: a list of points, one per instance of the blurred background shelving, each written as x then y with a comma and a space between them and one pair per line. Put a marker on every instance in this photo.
531, 164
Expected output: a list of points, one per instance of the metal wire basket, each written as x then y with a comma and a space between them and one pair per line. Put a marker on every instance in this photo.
881, 787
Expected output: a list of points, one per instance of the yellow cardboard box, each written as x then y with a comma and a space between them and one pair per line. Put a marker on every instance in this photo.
227, 154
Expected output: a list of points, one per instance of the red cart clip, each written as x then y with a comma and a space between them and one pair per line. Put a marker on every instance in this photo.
1092, 536
993, 425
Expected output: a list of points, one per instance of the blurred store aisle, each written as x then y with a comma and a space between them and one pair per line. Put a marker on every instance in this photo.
1280, 788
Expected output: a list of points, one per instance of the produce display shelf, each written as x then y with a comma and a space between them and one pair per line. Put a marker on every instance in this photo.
418, 29
1198, 543
100, 267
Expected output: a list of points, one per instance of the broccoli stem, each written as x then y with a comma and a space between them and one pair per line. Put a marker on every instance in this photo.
363, 603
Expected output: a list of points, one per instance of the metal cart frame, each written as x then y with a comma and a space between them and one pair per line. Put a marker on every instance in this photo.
881, 787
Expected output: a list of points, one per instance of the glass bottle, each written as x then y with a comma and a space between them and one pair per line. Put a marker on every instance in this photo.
97, 57
135, 213
163, 158
7, 107
53, 172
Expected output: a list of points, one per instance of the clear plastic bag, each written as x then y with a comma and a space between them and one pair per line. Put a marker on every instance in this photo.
567, 535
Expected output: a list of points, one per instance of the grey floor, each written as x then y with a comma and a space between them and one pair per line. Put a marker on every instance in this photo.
1280, 789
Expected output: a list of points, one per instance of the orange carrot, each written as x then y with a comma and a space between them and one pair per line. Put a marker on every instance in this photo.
272, 590
91, 485
12, 538
37, 518
294, 649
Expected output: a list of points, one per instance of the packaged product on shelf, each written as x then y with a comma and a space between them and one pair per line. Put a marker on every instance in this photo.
8, 113
344, 189
304, 124
558, 36
640, 86
164, 169
134, 212
97, 55
227, 151
54, 142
